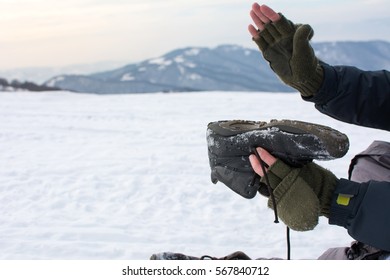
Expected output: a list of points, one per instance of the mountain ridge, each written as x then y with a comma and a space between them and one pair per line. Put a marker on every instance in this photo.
224, 68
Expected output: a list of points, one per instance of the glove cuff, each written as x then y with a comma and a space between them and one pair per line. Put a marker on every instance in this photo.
309, 88
326, 200
323, 182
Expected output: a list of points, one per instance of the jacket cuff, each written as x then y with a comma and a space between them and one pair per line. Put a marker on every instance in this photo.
343, 203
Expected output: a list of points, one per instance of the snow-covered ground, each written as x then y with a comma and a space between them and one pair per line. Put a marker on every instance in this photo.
125, 176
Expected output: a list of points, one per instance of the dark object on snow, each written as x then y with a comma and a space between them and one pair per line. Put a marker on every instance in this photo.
296, 143
16, 85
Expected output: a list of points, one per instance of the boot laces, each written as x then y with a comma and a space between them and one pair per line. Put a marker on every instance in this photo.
271, 192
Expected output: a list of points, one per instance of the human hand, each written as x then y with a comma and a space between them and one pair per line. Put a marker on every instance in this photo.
301, 194
286, 47
261, 15
267, 158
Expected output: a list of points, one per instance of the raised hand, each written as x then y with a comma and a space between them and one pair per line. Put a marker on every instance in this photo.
261, 15
286, 47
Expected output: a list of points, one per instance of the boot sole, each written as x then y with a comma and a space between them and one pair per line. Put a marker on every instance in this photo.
295, 142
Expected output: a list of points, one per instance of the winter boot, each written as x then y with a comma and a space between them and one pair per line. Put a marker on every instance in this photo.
178, 256
172, 256
295, 142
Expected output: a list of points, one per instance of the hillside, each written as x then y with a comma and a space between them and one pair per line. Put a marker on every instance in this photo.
225, 68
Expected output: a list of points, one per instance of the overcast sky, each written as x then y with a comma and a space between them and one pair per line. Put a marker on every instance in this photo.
58, 33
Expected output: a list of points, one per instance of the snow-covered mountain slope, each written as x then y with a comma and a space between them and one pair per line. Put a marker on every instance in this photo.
226, 67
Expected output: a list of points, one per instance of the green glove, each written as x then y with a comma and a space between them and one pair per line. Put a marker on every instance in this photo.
286, 47
301, 194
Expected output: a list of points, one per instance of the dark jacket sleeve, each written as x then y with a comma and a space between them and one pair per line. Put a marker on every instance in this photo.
362, 98
355, 96
365, 213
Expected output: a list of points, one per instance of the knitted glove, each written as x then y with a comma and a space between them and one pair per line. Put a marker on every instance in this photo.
286, 47
301, 194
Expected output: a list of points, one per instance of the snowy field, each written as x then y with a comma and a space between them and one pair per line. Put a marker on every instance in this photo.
125, 176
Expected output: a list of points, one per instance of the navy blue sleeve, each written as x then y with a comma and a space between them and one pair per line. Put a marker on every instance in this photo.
363, 98
364, 210
355, 96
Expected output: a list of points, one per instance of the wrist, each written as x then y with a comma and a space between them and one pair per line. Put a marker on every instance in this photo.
309, 87
323, 182
326, 200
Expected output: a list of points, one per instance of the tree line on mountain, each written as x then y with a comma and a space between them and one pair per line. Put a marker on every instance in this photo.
16, 85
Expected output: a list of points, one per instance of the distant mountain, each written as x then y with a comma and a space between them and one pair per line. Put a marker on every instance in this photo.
369, 55
225, 68
40, 75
